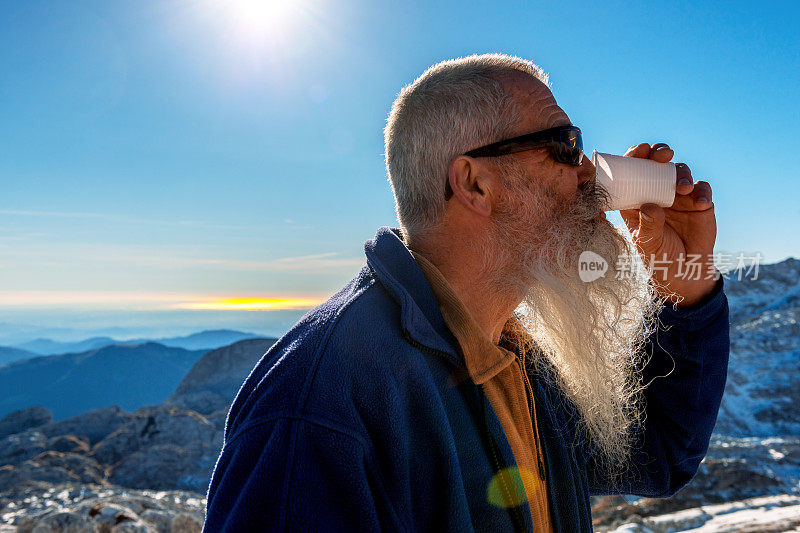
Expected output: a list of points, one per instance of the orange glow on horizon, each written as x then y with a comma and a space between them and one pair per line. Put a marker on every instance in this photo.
152, 301
251, 304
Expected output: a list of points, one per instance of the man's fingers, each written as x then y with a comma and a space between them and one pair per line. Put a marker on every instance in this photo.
698, 199
684, 182
651, 228
640, 150
701, 194
661, 153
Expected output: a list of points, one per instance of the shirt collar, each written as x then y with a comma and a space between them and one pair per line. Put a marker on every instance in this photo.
483, 359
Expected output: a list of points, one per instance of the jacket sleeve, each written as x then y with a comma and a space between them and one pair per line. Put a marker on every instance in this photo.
293, 475
687, 374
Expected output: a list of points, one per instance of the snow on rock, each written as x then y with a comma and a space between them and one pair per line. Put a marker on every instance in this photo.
767, 514
92, 508
761, 396
776, 286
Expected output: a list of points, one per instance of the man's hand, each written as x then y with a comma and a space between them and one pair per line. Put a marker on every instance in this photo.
667, 237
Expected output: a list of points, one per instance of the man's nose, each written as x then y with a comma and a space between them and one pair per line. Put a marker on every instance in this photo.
586, 172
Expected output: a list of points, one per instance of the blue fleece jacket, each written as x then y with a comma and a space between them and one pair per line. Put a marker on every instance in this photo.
363, 418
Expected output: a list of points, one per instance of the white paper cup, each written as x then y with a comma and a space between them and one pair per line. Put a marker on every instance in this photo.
632, 181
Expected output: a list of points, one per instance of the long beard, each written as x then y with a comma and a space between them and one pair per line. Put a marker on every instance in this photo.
591, 332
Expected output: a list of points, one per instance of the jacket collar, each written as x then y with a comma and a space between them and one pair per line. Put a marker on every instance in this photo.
401, 275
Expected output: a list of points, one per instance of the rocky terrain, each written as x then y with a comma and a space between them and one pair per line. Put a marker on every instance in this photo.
90, 508
748, 476
761, 396
112, 470
768, 514
108, 469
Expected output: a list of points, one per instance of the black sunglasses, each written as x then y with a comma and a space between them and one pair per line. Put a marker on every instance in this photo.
565, 144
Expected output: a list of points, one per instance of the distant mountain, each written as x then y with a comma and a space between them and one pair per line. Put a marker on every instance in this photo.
9, 355
762, 396
207, 340
126, 375
215, 378
14, 334
204, 340
50, 347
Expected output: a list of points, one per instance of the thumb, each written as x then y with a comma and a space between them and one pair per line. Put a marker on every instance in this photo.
651, 228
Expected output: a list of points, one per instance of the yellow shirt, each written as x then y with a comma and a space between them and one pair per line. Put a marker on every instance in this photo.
506, 385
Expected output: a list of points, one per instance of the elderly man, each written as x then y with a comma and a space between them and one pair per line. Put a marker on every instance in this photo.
468, 378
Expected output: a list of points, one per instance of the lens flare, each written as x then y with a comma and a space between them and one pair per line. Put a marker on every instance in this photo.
507, 487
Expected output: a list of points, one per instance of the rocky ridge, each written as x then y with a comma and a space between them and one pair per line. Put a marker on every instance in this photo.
750, 479
761, 396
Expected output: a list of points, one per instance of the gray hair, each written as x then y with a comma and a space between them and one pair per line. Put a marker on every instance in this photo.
453, 107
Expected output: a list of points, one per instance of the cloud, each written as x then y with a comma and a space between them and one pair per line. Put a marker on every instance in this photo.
326, 261
317, 263
63, 254
123, 219
33, 298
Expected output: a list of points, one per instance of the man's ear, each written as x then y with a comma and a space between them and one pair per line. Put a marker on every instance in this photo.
473, 184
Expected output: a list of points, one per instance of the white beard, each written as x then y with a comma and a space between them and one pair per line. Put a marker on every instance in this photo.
592, 332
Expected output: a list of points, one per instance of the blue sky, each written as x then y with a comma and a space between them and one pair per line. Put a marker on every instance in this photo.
153, 153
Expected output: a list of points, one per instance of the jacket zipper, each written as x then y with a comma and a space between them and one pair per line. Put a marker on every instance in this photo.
527, 384
514, 513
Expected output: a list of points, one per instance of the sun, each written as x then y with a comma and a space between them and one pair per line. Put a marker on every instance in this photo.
254, 17
261, 26
249, 41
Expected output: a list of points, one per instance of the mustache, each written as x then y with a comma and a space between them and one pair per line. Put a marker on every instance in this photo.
589, 201
592, 194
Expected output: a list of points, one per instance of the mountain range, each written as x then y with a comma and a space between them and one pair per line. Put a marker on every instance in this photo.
126, 375
9, 355
204, 340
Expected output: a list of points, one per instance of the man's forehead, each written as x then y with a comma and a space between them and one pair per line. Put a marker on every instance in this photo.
539, 108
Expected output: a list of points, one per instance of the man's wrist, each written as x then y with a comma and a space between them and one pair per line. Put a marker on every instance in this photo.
697, 316
702, 291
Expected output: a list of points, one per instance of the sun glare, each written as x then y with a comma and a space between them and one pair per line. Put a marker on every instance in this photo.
258, 16
243, 40
261, 27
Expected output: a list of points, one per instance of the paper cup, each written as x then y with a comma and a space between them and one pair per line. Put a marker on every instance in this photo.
632, 181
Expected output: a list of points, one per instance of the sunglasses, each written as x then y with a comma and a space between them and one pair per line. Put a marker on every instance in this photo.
565, 144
